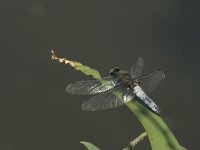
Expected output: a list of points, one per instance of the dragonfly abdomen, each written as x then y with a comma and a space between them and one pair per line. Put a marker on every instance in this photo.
145, 99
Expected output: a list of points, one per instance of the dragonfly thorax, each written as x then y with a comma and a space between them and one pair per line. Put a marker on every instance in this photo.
125, 78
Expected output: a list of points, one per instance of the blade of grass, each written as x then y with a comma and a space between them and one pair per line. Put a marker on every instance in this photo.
160, 136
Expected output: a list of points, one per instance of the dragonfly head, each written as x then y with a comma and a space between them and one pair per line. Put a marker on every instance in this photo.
114, 71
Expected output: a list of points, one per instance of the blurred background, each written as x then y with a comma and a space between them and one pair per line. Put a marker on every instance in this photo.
35, 111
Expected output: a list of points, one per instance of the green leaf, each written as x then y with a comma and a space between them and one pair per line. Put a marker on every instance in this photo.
160, 136
89, 145
89, 71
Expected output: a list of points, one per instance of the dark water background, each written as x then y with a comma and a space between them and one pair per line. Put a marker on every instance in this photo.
35, 111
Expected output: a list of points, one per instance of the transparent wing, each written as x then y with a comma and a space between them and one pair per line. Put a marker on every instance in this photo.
148, 83
88, 87
136, 70
109, 99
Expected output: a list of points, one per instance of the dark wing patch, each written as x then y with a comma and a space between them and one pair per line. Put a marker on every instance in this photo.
148, 83
88, 87
109, 99
136, 70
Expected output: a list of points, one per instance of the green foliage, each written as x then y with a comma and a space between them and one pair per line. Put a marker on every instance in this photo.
160, 136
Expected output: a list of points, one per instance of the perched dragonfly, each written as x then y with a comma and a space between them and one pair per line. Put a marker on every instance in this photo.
119, 88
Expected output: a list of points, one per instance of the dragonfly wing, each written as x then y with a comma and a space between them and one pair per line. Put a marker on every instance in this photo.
109, 99
136, 70
148, 83
144, 99
88, 87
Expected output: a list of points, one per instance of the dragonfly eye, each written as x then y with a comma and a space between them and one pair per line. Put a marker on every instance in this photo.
117, 69
114, 70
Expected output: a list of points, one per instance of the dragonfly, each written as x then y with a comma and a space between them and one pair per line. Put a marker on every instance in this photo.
119, 88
